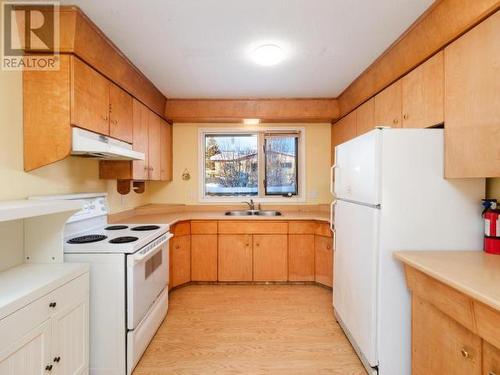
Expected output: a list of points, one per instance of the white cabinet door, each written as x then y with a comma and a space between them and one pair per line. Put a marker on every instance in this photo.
30, 355
71, 338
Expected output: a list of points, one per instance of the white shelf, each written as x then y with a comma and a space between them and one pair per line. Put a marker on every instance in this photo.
26, 208
25, 283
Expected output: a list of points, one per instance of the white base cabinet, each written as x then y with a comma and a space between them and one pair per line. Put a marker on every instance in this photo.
50, 335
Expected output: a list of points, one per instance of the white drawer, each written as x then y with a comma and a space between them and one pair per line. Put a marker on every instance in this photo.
19, 323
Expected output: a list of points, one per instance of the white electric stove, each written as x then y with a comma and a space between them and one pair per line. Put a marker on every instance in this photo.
128, 282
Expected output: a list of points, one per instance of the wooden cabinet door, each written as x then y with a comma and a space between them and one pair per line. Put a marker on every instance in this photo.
388, 106
491, 359
166, 155
270, 257
440, 345
235, 257
323, 260
154, 136
423, 94
120, 114
365, 117
301, 257
342, 131
71, 339
204, 257
89, 98
472, 102
181, 260
140, 139
30, 355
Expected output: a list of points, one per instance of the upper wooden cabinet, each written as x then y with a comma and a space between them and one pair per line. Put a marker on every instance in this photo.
154, 136
365, 117
120, 114
472, 102
388, 111
423, 94
166, 151
140, 169
343, 130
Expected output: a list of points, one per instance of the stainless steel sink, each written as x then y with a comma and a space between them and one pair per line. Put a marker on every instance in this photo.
267, 213
239, 213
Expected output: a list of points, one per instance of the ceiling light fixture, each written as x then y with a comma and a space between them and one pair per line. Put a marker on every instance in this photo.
251, 121
268, 55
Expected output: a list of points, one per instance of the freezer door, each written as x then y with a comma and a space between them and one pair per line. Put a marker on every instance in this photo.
355, 270
357, 169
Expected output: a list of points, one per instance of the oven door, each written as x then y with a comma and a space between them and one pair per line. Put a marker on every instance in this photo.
147, 277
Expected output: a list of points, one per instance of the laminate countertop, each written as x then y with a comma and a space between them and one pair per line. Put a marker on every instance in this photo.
473, 273
172, 218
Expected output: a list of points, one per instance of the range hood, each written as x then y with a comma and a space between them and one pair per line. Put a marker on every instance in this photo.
92, 145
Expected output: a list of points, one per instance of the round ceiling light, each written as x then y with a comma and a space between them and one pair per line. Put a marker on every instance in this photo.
268, 55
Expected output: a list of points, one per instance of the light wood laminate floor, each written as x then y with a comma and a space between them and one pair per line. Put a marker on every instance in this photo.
250, 329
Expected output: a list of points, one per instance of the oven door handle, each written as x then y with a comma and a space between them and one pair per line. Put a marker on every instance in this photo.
139, 257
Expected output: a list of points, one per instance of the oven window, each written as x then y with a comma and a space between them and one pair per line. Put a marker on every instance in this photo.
152, 264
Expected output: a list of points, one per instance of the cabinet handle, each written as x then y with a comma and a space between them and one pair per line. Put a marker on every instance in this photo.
48, 368
105, 118
405, 116
328, 247
395, 121
57, 359
491, 373
465, 354
257, 244
52, 304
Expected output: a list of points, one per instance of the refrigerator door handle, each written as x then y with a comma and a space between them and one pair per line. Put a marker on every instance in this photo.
332, 179
332, 216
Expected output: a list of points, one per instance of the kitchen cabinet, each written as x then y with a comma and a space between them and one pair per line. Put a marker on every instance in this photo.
235, 257
270, 261
491, 359
166, 151
388, 111
301, 257
154, 140
323, 254
342, 131
204, 257
365, 117
120, 114
472, 102
423, 94
140, 112
440, 345
180, 257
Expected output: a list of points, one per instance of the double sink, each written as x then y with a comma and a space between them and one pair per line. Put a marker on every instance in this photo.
253, 212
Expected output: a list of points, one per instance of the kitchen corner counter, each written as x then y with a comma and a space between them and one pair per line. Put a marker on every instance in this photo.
474, 273
173, 217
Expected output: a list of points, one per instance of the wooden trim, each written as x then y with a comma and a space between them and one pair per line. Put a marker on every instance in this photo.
443, 22
267, 110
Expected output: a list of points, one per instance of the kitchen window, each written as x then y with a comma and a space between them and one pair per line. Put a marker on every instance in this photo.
263, 164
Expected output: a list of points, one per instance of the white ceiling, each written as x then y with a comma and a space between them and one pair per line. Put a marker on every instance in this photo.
199, 48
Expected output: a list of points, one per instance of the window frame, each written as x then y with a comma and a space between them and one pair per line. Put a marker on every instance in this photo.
261, 197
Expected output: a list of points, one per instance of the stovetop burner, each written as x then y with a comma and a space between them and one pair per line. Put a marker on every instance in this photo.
88, 238
124, 239
141, 228
116, 227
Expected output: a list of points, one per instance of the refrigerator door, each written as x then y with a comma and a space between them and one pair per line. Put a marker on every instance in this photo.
355, 270
357, 169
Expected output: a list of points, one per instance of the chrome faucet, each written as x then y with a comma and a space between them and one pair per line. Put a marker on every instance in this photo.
251, 205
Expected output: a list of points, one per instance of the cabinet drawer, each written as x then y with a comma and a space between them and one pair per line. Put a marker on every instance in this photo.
253, 227
181, 229
302, 227
448, 300
323, 229
487, 322
19, 323
203, 227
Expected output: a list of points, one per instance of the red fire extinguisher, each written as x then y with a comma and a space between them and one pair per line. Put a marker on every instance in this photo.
491, 215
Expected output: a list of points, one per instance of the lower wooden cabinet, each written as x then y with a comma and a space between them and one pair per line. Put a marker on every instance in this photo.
204, 257
323, 260
491, 359
180, 259
301, 257
270, 257
235, 257
440, 345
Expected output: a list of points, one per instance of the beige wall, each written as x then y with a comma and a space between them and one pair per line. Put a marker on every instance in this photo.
186, 157
72, 175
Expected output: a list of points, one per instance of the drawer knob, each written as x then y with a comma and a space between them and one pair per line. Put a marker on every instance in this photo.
48, 368
491, 373
52, 304
57, 359
465, 353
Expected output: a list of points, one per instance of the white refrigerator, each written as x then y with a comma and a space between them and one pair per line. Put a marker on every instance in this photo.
390, 195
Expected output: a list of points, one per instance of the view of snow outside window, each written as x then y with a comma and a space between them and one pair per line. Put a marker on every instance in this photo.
231, 165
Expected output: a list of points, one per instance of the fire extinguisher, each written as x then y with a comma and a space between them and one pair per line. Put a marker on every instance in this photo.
491, 215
